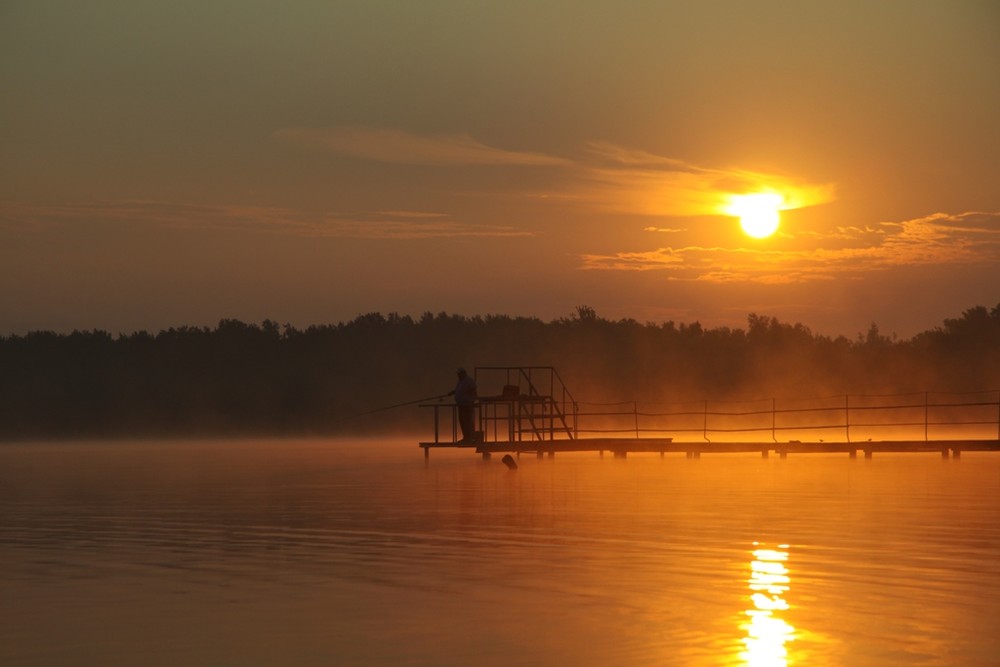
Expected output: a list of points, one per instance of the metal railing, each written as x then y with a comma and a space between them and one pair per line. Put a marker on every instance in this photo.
853, 417
519, 403
516, 403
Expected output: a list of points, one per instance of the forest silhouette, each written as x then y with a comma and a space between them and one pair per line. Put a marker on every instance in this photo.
271, 379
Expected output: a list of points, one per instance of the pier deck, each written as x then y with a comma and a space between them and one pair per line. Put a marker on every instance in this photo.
622, 447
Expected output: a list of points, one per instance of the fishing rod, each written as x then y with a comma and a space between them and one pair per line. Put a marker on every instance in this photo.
391, 407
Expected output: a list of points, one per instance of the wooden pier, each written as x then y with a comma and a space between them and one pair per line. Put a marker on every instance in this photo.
532, 412
620, 448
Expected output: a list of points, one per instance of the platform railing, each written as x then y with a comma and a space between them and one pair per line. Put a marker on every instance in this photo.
519, 403
849, 418
516, 403
924, 416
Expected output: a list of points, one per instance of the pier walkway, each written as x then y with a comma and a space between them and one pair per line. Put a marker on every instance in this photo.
528, 409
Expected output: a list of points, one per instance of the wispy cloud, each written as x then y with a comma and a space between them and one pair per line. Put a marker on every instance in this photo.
665, 230
414, 227
600, 178
849, 252
622, 180
399, 147
389, 225
42, 217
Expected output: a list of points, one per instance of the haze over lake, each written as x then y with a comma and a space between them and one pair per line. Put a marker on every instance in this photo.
238, 239
353, 552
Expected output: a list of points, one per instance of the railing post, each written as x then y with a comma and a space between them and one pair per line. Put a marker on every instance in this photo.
635, 412
437, 422
704, 424
552, 412
520, 415
510, 421
847, 416
926, 420
774, 410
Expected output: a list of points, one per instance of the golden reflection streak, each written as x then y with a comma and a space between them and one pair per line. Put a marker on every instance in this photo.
766, 632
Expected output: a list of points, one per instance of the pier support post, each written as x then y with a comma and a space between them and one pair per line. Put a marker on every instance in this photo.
427, 452
621, 454
486, 456
853, 453
764, 453
868, 453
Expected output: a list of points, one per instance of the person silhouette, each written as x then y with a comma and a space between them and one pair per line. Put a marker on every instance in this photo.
466, 393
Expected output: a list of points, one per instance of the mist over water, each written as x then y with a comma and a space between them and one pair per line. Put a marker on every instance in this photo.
305, 552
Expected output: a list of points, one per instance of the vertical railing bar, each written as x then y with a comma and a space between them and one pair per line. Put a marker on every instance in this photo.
774, 412
552, 410
847, 416
552, 413
437, 421
926, 420
704, 425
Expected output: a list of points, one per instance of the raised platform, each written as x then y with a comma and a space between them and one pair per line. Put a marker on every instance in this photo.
621, 447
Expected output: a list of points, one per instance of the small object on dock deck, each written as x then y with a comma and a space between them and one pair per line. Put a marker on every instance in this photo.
509, 461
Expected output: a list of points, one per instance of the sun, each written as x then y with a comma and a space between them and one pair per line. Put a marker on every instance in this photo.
758, 213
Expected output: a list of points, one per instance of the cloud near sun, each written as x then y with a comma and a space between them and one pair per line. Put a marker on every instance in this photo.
939, 239
611, 179
602, 179
605, 178
619, 180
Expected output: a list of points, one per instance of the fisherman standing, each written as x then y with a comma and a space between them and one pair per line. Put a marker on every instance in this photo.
466, 393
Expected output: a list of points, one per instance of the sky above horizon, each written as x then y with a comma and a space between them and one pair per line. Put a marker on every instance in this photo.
169, 164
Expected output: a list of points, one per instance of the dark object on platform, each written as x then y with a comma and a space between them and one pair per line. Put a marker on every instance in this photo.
511, 392
509, 461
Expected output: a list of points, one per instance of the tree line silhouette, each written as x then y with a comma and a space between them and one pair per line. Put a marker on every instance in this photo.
271, 379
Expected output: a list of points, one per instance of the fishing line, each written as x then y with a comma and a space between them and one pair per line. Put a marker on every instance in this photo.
391, 407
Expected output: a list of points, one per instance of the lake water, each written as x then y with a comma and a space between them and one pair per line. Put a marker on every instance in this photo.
308, 552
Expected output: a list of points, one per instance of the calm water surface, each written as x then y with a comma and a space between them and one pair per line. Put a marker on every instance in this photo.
358, 553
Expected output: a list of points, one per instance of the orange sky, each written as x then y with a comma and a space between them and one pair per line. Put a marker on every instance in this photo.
169, 164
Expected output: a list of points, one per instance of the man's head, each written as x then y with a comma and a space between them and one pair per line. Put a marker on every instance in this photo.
461, 372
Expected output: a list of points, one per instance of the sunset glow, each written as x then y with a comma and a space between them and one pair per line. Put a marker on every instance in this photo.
758, 213
445, 157
767, 632
500, 333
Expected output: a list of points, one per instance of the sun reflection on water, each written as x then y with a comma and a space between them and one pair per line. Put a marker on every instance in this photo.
767, 633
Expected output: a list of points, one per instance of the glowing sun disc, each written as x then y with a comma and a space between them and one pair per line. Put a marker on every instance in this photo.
758, 213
